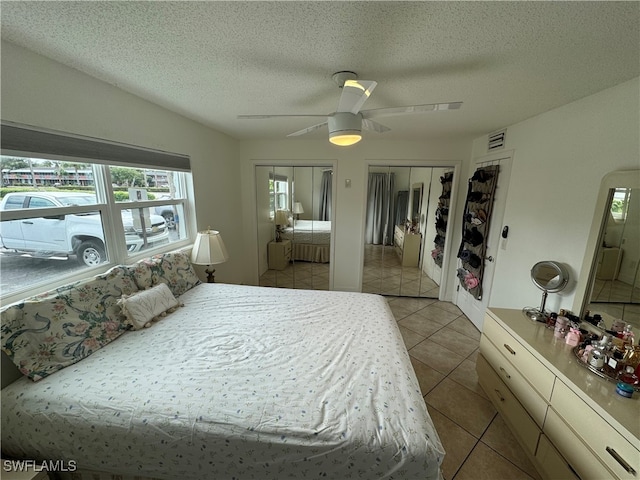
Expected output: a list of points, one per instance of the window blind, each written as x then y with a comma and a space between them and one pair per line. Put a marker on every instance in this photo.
40, 143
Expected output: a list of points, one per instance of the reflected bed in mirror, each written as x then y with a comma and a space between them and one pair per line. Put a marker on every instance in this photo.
294, 206
609, 284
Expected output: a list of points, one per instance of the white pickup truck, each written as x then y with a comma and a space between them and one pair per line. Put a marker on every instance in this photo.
79, 234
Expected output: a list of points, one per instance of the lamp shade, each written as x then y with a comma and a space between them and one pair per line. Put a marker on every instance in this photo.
297, 207
281, 217
345, 128
209, 249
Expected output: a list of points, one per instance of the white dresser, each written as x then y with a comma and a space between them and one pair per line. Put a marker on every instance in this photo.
570, 422
407, 246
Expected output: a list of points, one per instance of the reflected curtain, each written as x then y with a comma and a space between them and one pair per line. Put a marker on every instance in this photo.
401, 207
325, 195
379, 222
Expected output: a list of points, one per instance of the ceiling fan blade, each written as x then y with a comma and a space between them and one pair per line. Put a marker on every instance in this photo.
354, 94
307, 130
260, 117
369, 124
387, 112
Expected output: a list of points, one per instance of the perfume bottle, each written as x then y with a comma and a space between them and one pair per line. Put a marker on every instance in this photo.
627, 335
573, 337
561, 327
596, 357
628, 376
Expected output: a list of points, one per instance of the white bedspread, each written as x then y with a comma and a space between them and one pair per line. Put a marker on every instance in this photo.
316, 232
242, 382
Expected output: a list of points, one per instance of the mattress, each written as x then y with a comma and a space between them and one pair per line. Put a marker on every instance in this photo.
316, 232
241, 382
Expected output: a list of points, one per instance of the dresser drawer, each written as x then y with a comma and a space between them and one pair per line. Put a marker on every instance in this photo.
398, 237
582, 460
540, 378
609, 445
528, 397
551, 463
511, 410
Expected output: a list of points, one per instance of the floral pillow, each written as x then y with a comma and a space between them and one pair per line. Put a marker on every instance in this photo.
174, 269
48, 332
146, 305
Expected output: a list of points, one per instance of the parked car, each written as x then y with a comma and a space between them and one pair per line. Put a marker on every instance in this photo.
167, 212
79, 234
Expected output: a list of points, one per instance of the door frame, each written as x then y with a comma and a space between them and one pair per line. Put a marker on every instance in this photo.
472, 308
252, 239
447, 290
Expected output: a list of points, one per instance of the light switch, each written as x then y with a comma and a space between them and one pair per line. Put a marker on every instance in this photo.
347, 183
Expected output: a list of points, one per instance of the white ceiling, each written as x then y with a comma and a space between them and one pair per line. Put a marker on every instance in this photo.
211, 61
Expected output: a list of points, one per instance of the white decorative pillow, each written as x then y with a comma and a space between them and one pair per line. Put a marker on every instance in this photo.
147, 305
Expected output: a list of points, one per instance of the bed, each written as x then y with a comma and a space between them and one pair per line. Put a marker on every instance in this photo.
240, 382
310, 240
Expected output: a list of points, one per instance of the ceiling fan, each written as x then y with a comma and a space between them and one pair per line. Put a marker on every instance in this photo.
346, 123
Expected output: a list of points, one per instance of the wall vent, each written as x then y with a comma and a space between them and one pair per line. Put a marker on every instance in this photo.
496, 140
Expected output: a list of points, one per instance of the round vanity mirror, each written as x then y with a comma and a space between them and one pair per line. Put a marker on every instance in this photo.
550, 277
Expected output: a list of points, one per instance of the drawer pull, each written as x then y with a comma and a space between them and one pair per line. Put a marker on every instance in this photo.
499, 395
511, 351
621, 461
505, 372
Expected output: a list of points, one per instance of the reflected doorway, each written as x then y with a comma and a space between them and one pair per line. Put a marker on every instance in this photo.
405, 230
615, 289
294, 206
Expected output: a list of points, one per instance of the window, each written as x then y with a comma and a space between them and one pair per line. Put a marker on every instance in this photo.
278, 193
620, 204
61, 217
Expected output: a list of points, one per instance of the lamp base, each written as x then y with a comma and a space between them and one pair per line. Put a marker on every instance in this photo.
210, 276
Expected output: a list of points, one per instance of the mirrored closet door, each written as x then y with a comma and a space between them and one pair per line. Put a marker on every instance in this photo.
294, 208
405, 230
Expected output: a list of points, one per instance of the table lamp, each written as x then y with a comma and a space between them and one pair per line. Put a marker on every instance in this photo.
209, 249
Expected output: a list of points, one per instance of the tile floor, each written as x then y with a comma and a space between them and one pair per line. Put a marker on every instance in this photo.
383, 273
443, 345
297, 274
613, 297
615, 291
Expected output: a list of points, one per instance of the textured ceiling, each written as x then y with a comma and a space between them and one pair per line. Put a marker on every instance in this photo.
212, 61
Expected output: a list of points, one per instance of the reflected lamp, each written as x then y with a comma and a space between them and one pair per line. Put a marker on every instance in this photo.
297, 209
208, 250
282, 219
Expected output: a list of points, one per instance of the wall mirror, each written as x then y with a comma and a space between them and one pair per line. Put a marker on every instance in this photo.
550, 277
399, 260
294, 208
610, 284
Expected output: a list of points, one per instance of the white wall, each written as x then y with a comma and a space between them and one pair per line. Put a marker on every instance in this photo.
351, 163
40, 92
560, 158
559, 161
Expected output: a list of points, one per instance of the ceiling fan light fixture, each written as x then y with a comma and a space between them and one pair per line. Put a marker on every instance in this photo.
345, 139
345, 128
